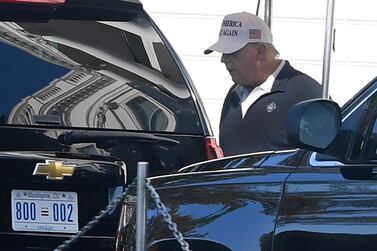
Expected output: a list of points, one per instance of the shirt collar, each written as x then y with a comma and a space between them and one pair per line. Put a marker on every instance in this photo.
267, 85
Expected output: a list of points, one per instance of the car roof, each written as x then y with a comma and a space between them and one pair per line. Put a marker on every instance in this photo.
16, 10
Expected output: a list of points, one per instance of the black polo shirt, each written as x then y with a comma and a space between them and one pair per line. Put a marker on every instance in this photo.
264, 126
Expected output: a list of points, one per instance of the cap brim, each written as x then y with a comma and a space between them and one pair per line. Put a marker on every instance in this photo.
225, 47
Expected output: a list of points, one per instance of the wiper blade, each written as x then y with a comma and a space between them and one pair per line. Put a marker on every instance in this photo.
76, 137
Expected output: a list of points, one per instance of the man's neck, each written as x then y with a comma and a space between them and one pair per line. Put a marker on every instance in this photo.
267, 71
271, 67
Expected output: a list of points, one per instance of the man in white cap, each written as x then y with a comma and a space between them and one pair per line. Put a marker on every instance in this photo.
254, 113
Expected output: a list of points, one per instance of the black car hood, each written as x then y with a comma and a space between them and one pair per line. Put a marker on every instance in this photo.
207, 205
209, 199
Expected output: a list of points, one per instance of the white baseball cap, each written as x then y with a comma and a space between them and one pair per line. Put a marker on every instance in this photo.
239, 29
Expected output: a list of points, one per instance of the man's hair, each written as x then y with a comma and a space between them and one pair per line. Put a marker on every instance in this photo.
272, 52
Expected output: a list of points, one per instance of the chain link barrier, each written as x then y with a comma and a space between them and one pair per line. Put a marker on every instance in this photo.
167, 217
104, 213
96, 219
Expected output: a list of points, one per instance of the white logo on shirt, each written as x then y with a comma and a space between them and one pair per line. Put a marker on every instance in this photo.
271, 107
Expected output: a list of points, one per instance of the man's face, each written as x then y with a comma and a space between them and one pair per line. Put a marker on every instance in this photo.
243, 65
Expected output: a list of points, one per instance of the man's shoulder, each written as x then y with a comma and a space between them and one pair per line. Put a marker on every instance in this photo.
300, 84
294, 75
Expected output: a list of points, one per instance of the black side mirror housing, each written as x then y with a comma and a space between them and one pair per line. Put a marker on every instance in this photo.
314, 124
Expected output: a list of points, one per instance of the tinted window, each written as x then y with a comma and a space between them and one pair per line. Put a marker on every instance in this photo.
117, 75
371, 144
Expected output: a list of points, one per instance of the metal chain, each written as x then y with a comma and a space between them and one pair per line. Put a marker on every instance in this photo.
96, 219
167, 217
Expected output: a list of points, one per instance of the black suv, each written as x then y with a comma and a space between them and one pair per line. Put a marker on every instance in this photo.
321, 196
89, 88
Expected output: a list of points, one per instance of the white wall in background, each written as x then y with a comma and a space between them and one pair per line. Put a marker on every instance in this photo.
298, 27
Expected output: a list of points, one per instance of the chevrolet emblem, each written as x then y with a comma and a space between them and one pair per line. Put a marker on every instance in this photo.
54, 170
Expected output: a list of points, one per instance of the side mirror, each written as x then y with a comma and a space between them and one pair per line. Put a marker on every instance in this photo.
314, 124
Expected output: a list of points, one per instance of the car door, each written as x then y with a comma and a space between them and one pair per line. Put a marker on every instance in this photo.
324, 209
329, 204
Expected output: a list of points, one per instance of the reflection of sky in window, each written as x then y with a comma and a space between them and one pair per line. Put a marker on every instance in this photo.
374, 127
22, 74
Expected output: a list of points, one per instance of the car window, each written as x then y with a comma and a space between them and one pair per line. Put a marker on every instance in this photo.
371, 143
91, 74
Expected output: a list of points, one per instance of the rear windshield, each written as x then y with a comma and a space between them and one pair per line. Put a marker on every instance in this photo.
88, 74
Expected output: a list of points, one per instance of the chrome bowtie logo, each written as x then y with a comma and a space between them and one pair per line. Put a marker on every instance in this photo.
54, 170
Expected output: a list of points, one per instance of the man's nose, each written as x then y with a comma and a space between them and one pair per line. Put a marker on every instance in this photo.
225, 59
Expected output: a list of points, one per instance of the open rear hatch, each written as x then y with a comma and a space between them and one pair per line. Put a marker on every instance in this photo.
93, 86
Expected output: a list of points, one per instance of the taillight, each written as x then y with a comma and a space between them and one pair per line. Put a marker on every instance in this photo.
34, 1
214, 151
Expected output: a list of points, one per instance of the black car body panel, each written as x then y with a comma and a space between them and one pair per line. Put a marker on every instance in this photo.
321, 197
94, 85
321, 210
225, 200
205, 204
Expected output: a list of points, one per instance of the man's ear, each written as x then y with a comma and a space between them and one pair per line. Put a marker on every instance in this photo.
261, 51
